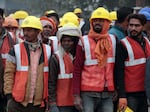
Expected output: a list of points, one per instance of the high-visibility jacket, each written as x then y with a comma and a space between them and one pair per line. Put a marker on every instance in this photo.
95, 78
135, 64
22, 67
64, 85
5, 47
54, 43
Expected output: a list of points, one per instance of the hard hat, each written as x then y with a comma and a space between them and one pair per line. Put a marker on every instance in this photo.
69, 29
50, 12
20, 14
77, 10
146, 14
10, 22
100, 13
31, 22
69, 17
113, 15
147, 9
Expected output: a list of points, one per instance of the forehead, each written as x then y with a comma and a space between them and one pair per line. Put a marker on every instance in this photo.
134, 21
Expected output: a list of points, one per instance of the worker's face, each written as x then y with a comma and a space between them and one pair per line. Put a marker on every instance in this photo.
1, 21
97, 24
67, 43
47, 31
31, 34
11, 29
135, 27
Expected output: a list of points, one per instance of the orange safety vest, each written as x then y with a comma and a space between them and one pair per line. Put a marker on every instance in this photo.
5, 49
21, 75
64, 85
95, 78
135, 64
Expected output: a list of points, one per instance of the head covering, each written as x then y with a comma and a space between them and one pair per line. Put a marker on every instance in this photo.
48, 21
69, 29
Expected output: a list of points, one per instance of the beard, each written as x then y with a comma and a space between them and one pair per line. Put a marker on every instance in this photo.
97, 28
134, 34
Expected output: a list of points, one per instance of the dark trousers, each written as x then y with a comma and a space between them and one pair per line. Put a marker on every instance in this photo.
2, 103
13, 106
138, 103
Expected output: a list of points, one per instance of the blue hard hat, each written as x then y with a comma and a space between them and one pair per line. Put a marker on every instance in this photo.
147, 9
146, 14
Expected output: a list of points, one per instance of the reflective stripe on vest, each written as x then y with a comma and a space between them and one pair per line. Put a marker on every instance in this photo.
132, 61
4, 56
62, 74
89, 60
18, 58
55, 42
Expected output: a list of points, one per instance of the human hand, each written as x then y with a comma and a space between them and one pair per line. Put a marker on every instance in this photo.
122, 103
78, 102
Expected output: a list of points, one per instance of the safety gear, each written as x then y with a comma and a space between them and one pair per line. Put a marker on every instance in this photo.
69, 29
64, 80
20, 14
133, 63
50, 12
31, 22
113, 15
10, 22
19, 89
147, 9
100, 13
146, 14
77, 10
69, 17
91, 67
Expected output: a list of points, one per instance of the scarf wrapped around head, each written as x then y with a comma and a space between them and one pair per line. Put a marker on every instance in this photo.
103, 45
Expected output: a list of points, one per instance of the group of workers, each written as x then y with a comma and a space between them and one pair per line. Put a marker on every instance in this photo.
50, 64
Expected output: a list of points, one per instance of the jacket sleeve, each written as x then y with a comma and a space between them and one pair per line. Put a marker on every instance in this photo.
9, 73
53, 76
78, 66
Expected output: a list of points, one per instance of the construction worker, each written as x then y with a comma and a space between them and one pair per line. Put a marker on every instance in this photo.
26, 73
61, 68
12, 26
83, 24
146, 12
121, 24
49, 29
131, 55
53, 15
93, 76
6, 42
20, 15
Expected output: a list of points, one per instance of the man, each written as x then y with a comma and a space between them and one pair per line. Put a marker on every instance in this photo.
146, 12
49, 29
61, 68
12, 26
120, 27
93, 66
131, 56
26, 73
6, 42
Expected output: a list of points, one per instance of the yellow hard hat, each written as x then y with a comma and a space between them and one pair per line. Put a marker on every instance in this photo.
100, 12
20, 14
77, 10
69, 17
113, 15
10, 22
31, 22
